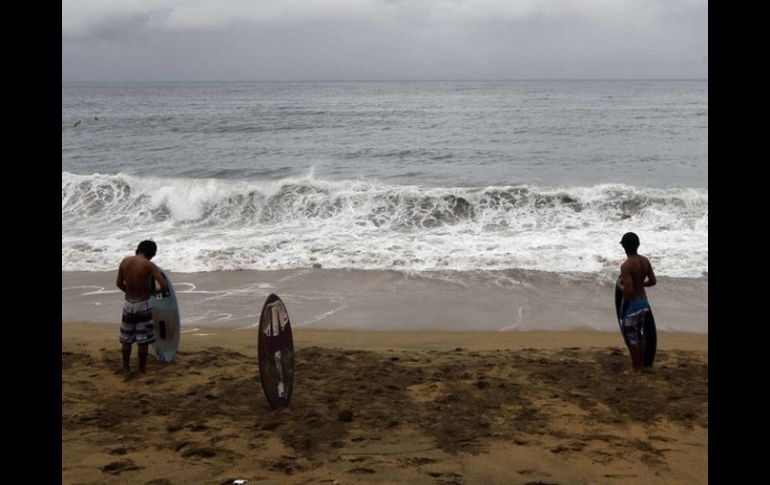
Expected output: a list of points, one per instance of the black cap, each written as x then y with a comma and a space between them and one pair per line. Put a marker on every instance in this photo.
630, 239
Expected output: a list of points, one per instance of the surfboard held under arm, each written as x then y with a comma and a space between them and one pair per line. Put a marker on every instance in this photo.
165, 316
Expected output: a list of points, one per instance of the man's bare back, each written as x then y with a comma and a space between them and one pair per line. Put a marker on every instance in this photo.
633, 273
135, 275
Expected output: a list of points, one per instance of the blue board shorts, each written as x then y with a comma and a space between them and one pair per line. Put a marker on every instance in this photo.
136, 323
633, 320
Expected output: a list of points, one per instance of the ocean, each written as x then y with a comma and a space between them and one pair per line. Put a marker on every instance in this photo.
504, 191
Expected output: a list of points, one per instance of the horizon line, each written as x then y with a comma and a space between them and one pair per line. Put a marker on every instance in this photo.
375, 80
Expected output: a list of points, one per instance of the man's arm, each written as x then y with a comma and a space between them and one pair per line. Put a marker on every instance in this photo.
159, 278
626, 282
121, 282
650, 281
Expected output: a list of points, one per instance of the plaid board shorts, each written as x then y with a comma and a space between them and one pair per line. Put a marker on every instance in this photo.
136, 325
633, 321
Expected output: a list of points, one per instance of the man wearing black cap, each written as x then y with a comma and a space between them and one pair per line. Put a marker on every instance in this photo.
635, 274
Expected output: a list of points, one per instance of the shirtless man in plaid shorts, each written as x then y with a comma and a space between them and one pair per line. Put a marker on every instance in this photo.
635, 275
135, 276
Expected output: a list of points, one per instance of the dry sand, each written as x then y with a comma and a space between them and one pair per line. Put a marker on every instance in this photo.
387, 407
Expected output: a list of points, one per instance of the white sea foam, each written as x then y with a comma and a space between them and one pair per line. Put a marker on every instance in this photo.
215, 224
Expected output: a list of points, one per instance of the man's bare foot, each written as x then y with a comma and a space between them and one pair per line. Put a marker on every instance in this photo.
633, 372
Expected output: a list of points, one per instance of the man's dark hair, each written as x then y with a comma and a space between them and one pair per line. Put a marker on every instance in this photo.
148, 248
630, 242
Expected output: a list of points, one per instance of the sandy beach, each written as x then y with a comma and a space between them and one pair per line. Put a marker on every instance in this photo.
387, 407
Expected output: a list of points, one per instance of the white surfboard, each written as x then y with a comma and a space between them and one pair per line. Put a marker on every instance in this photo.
165, 316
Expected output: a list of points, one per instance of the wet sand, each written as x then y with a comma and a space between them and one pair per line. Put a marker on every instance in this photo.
387, 407
392, 300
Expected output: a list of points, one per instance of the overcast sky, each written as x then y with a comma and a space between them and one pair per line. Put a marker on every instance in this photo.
234, 40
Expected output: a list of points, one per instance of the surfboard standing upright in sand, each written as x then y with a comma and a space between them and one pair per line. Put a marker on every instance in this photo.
276, 352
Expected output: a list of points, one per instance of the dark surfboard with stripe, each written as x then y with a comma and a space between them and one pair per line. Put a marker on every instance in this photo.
276, 353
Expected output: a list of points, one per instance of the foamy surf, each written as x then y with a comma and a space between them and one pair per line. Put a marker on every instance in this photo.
305, 222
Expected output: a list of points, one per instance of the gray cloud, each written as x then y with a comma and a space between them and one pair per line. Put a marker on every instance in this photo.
382, 39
